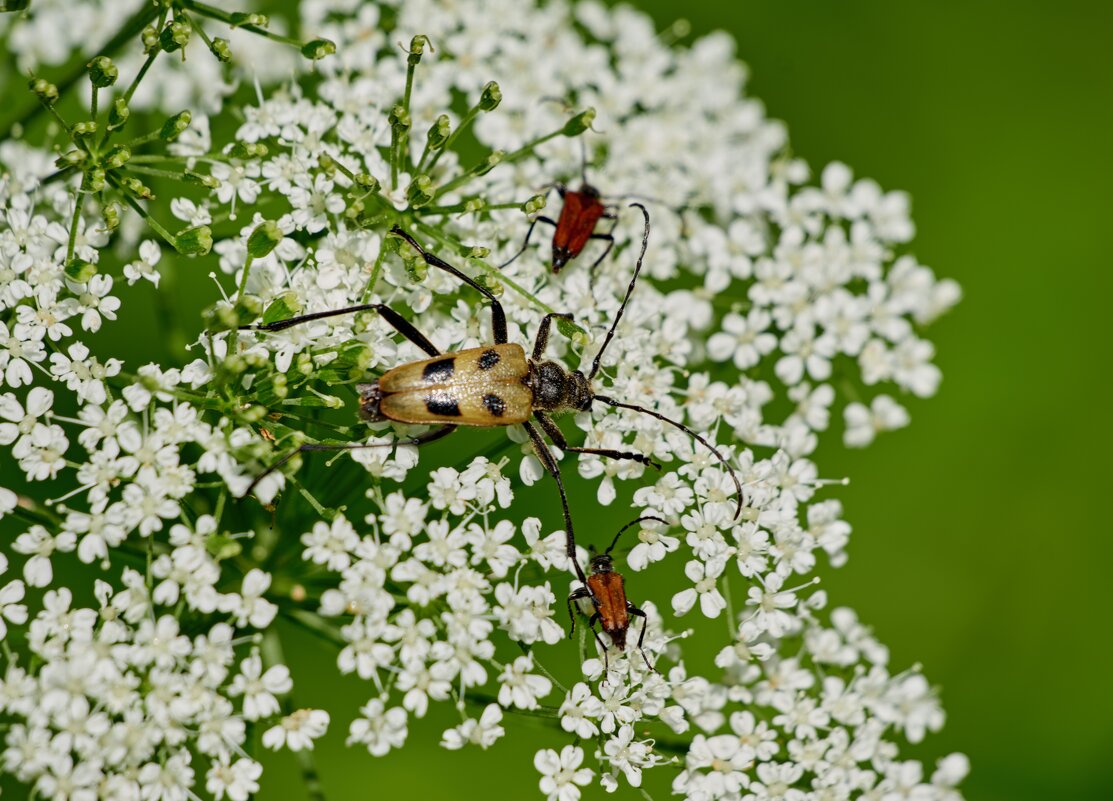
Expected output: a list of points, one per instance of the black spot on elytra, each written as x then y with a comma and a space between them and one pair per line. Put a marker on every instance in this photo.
495, 405
488, 359
439, 371
443, 404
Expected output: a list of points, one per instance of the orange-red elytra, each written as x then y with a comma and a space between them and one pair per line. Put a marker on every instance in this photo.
612, 610
580, 213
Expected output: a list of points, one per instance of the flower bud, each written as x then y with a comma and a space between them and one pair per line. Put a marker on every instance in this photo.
137, 188
488, 163
318, 49
439, 132
116, 157
149, 38
80, 270
194, 241
368, 183
83, 128
247, 150
174, 36
580, 123
118, 114
238, 19
71, 158
173, 127
534, 204
420, 192
44, 89
219, 48
94, 180
399, 119
102, 72
283, 307
111, 214
417, 48
265, 238
491, 97
201, 179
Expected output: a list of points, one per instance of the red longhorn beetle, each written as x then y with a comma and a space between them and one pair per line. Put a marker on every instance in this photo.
607, 591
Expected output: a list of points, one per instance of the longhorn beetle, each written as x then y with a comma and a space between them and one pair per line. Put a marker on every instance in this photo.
607, 591
493, 385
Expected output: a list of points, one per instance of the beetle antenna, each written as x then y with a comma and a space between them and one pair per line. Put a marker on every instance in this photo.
614, 542
583, 160
689, 432
629, 291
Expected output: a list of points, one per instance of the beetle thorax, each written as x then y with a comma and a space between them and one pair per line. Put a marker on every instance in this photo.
602, 563
555, 389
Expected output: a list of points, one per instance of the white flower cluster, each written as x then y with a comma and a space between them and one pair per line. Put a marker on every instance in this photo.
766, 304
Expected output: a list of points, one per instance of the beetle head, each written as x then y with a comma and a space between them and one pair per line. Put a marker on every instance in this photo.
602, 563
370, 395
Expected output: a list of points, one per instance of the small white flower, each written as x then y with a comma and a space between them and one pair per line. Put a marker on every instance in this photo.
561, 774
297, 731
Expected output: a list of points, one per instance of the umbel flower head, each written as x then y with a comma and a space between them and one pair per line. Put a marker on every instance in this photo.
164, 516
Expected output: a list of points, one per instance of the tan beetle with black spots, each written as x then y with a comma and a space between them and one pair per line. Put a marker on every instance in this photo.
495, 385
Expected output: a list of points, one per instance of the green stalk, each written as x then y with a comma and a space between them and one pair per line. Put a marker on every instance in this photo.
79, 203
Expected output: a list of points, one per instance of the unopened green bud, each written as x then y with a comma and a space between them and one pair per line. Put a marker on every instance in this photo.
44, 89
439, 132
478, 252
111, 217
94, 180
116, 157
265, 238
84, 128
534, 204
474, 204
174, 36
488, 163
137, 188
71, 158
420, 192
279, 386
102, 72
194, 241
248, 150
491, 97
253, 413
219, 48
118, 114
239, 19
318, 49
173, 127
490, 283
580, 123
235, 363
149, 38
399, 118
304, 364
417, 47
80, 270
369, 183
201, 179
283, 307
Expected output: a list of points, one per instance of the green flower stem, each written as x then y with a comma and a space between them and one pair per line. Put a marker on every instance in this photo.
272, 655
93, 102
556, 682
313, 624
130, 29
151, 221
243, 278
509, 158
438, 235
732, 621
546, 712
376, 270
205, 10
169, 175
78, 204
462, 207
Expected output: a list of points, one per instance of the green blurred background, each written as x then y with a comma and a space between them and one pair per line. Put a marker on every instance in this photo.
982, 538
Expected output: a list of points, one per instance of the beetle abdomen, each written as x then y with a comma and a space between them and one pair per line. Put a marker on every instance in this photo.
474, 387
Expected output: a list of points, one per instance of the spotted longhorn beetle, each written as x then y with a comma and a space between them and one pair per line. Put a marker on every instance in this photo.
493, 385
607, 590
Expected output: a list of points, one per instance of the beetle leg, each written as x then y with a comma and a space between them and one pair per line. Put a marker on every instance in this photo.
393, 318
550, 465
525, 242
498, 316
582, 592
557, 436
633, 610
542, 340
602, 645
420, 439
609, 237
